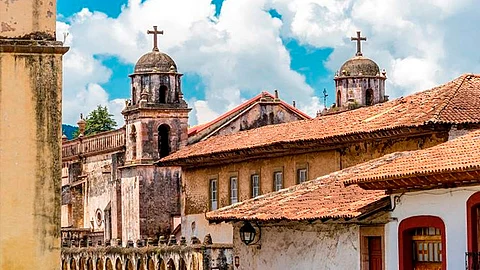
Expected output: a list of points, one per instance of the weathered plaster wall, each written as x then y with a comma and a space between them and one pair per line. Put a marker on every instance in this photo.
158, 200
21, 18
261, 114
130, 209
368, 150
300, 246
447, 204
30, 167
196, 225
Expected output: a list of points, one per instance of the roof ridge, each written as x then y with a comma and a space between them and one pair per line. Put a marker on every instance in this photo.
449, 99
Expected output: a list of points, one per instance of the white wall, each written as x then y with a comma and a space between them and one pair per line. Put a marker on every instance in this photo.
301, 246
220, 233
447, 204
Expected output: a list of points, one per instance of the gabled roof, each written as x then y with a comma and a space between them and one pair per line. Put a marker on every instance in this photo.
456, 102
322, 198
234, 113
453, 163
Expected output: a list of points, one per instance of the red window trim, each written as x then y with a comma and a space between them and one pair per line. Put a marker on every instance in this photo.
472, 202
404, 240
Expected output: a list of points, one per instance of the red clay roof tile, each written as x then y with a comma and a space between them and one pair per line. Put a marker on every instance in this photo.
455, 102
446, 163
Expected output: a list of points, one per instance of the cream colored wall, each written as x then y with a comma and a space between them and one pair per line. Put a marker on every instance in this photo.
23, 17
30, 117
30, 130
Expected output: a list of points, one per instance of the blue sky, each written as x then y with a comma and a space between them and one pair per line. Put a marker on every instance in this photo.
305, 59
230, 50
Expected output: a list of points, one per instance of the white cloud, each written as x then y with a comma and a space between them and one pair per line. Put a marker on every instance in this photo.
240, 53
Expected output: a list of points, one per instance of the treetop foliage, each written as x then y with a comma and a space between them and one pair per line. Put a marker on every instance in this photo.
98, 120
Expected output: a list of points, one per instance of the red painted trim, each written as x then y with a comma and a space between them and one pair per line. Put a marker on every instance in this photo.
472, 203
405, 251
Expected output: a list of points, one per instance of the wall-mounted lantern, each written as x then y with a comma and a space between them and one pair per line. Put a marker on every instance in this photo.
248, 233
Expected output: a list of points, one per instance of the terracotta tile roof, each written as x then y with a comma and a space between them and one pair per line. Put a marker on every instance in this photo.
456, 102
241, 107
456, 162
323, 198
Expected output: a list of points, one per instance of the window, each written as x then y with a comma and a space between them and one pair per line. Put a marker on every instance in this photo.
369, 97
339, 98
278, 180
301, 175
421, 241
163, 94
233, 190
213, 194
255, 185
163, 140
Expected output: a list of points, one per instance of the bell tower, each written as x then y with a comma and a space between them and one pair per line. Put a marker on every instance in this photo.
359, 81
156, 117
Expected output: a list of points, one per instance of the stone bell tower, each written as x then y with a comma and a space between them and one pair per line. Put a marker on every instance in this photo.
359, 81
157, 115
156, 121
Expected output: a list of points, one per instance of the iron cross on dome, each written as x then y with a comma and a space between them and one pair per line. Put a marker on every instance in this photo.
155, 32
359, 39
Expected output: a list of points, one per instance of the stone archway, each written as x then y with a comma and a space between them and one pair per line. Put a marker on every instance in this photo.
128, 265
171, 265
140, 264
118, 264
108, 264
90, 264
81, 265
182, 265
73, 264
161, 264
99, 264
150, 264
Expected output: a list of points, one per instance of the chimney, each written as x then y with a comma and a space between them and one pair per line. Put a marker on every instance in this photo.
276, 94
294, 105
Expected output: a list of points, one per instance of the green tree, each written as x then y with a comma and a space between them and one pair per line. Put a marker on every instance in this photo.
98, 120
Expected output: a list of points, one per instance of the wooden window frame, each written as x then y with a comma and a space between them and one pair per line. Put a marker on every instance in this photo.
234, 177
210, 192
253, 186
405, 245
275, 173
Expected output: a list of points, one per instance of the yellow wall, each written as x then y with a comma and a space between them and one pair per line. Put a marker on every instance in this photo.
30, 131
196, 197
20, 18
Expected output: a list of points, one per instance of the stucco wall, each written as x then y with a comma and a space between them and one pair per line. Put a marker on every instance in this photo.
21, 18
30, 166
300, 246
130, 209
447, 204
197, 225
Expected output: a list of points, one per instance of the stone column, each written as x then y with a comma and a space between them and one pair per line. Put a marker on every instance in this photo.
30, 135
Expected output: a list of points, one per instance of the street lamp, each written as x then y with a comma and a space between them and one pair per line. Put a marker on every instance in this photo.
248, 232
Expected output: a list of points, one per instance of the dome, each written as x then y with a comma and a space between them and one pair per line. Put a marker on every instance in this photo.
358, 66
155, 62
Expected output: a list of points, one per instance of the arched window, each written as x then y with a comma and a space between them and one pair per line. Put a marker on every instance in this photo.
133, 140
163, 140
369, 97
421, 243
339, 98
134, 94
473, 219
163, 94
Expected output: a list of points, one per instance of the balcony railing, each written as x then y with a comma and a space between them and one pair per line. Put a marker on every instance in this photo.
91, 145
472, 260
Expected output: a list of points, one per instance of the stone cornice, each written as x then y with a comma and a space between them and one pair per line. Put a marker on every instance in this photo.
32, 46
